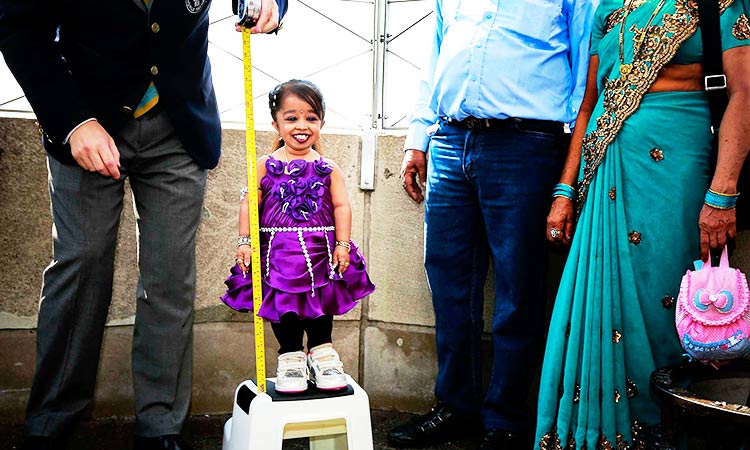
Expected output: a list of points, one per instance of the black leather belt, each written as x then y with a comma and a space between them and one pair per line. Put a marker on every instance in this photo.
542, 126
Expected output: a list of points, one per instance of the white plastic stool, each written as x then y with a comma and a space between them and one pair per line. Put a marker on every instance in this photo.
332, 421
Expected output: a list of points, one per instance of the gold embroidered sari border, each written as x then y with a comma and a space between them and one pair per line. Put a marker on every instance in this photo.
551, 441
623, 95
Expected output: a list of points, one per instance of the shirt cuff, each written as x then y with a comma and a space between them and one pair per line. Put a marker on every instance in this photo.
67, 138
416, 137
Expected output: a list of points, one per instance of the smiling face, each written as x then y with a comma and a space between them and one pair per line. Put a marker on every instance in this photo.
298, 124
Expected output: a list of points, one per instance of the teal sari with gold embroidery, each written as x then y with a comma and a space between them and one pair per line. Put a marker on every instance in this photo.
645, 170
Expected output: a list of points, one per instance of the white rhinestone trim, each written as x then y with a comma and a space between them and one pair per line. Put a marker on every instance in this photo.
295, 229
330, 259
268, 253
302, 245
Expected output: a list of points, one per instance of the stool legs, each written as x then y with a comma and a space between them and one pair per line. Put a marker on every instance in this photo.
359, 429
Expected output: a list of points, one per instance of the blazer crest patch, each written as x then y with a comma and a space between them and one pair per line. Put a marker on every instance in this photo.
195, 6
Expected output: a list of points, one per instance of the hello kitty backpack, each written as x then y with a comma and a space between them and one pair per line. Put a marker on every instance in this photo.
713, 312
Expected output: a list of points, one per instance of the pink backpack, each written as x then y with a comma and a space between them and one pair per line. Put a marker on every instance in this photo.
713, 312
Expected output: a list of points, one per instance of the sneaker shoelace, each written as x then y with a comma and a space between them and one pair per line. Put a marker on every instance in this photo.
327, 359
292, 366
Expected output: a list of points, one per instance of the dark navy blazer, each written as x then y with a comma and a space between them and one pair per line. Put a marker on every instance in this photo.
78, 59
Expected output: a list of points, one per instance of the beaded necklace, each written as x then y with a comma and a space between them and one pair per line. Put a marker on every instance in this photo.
625, 69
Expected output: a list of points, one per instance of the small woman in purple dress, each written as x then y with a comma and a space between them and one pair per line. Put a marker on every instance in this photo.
311, 269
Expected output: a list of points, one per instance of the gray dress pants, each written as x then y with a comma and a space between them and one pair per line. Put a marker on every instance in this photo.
168, 189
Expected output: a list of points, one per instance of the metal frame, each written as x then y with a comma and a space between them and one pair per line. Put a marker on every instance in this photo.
378, 41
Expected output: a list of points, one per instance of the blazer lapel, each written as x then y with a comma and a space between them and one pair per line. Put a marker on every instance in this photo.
140, 5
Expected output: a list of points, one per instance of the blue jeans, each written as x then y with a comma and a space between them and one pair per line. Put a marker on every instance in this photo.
488, 195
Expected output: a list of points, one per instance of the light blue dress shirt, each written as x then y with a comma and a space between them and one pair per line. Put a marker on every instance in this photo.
504, 58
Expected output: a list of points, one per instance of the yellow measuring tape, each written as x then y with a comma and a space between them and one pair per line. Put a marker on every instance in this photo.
252, 203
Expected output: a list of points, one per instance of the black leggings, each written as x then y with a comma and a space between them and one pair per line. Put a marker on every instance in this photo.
290, 329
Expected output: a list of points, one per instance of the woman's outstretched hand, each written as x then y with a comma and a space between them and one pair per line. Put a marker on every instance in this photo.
716, 226
560, 222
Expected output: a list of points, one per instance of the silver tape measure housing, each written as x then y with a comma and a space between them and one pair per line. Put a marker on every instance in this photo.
248, 12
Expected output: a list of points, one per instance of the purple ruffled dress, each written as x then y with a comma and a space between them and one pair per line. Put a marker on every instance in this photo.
297, 240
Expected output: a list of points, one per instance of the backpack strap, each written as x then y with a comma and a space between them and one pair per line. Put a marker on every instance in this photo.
715, 84
714, 81
725, 257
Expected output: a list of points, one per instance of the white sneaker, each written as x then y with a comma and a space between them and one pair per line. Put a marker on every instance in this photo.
326, 368
291, 373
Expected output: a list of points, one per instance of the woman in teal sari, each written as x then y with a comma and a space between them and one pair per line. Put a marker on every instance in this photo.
643, 146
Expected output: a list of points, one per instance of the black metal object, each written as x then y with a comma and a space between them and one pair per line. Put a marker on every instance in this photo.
713, 423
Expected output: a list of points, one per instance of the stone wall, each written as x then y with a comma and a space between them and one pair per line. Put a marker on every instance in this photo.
387, 343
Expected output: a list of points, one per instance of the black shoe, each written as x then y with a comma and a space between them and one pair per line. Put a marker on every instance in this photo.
43, 443
658, 437
497, 439
168, 442
441, 424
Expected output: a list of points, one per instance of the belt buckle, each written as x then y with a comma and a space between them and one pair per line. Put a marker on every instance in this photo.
473, 122
715, 82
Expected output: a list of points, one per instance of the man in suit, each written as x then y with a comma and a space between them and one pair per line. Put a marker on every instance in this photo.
121, 89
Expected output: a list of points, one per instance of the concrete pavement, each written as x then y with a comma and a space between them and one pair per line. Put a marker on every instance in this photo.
204, 432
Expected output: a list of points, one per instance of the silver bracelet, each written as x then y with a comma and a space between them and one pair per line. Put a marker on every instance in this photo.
344, 244
243, 240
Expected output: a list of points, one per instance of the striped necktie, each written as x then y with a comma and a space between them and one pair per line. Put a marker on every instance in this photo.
151, 97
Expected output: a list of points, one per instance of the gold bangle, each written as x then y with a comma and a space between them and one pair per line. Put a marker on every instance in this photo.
723, 194
724, 208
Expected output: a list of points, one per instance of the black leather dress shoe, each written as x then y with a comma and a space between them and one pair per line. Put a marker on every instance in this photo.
43, 443
497, 439
168, 442
441, 424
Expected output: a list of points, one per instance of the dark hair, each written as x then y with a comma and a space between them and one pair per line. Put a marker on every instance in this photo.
305, 90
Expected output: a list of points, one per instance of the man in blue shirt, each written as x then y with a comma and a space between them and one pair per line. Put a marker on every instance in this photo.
503, 82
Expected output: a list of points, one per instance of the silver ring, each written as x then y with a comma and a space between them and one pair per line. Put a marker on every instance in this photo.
554, 232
